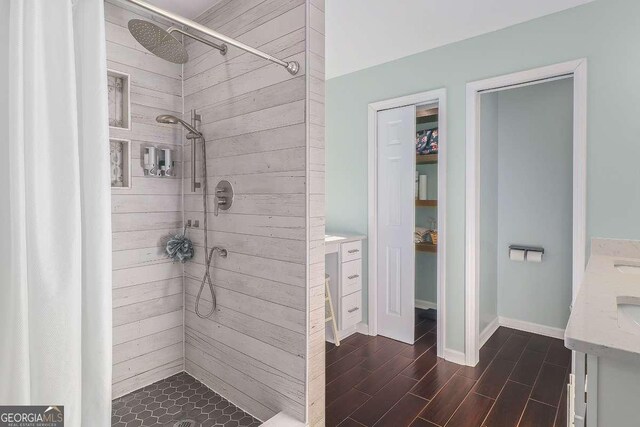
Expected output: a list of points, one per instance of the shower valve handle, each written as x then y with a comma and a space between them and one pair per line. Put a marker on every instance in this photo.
223, 197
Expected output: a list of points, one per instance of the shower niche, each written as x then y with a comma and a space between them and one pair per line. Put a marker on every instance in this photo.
118, 85
120, 163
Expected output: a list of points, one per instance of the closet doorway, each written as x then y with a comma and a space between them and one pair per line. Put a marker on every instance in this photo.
519, 184
407, 239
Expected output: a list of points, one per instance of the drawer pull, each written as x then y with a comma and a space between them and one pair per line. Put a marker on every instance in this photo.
354, 276
353, 251
353, 309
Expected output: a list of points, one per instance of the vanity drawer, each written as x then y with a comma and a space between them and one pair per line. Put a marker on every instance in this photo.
351, 277
351, 251
351, 308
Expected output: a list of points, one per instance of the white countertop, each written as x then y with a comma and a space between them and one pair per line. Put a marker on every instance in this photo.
342, 238
593, 326
333, 240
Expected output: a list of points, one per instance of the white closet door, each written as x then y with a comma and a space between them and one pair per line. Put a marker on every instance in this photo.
396, 223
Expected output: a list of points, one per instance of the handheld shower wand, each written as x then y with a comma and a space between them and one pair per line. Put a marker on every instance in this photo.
194, 135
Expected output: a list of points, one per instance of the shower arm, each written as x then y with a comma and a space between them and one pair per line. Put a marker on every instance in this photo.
221, 47
291, 66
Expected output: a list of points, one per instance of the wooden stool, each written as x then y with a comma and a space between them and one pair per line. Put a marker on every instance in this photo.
330, 315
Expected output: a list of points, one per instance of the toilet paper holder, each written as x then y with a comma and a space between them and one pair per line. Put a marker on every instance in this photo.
526, 249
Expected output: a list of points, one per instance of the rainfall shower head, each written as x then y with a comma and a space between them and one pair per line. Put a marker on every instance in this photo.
158, 41
173, 120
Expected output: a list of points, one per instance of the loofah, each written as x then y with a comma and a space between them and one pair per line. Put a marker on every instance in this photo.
180, 248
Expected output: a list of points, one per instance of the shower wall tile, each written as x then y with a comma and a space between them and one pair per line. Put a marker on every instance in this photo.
265, 133
253, 349
148, 289
289, 41
255, 28
126, 334
316, 191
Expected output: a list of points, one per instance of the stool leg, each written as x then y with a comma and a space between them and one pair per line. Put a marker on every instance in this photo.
334, 327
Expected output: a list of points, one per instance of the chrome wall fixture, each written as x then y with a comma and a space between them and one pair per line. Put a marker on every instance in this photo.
193, 135
292, 66
195, 121
221, 47
223, 197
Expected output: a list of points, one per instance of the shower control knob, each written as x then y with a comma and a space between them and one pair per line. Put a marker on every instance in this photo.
223, 196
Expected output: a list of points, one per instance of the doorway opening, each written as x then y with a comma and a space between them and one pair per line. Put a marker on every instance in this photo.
407, 211
426, 222
521, 186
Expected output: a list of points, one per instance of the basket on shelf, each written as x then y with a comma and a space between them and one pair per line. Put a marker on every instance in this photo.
434, 236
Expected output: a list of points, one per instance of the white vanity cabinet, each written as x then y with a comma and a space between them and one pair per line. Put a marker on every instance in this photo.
343, 256
606, 369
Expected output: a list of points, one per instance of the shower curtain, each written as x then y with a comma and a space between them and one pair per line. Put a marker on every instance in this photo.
55, 225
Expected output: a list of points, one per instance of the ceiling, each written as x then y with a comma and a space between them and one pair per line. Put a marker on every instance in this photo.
364, 33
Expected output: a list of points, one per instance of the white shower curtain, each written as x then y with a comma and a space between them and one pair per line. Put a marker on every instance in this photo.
55, 225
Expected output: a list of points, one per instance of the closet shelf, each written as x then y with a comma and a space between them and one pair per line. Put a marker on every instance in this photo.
426, 247
426, 159
424, 203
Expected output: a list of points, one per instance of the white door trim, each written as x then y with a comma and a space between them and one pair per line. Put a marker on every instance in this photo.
576, 69
440, 96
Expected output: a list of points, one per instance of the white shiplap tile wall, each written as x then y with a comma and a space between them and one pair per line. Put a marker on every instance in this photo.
148, 289
254, 348
263, 348
315, 212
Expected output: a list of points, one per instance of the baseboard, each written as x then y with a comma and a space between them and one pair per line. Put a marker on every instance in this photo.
361, 328
454, 356
535, 328
425, 305
488, 331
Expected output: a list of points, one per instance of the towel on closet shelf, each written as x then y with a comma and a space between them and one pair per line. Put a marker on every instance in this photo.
420, 235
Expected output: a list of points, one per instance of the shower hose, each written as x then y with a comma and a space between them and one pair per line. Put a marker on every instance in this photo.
208, 253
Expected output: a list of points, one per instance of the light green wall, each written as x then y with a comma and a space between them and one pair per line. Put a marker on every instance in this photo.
535, 167
605, 31
526, 198
488, 292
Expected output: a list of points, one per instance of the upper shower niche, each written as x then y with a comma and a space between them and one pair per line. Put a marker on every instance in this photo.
119, 110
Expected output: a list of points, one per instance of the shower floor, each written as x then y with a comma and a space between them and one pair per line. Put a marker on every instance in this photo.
179, 397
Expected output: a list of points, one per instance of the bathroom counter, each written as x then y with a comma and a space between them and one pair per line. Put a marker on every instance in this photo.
333, 240
595, 325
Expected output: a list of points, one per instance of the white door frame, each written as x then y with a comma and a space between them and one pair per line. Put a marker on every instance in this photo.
576, 69
439, 96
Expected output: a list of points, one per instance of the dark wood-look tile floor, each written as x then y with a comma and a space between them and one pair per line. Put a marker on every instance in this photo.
375, 381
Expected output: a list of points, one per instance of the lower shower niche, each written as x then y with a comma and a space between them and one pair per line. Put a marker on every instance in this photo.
120, 164
178, 400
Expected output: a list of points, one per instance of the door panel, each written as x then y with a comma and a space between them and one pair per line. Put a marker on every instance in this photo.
394, 282
396, 219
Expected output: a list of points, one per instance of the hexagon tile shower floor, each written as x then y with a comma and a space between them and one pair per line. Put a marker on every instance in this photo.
173, 402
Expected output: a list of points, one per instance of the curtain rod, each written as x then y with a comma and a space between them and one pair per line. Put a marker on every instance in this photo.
291, 66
